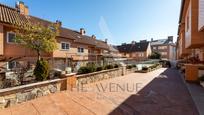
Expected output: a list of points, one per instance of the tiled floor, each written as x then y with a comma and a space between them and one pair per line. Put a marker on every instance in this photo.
160, 92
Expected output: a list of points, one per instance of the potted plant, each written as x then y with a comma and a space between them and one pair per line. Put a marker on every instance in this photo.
201, 79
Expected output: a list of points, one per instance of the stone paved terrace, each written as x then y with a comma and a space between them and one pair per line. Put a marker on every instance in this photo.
161, 92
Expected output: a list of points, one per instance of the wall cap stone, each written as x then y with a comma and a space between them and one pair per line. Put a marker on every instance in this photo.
29, 85
67, 75
98, 72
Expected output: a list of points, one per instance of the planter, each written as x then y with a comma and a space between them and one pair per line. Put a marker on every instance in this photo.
200, 72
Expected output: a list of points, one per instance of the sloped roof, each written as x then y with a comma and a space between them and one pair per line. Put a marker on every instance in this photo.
102, 44
11, 16
161, 42
113, 48
158, 42
135, 47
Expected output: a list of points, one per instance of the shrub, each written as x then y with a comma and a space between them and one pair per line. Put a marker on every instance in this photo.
41, 70
109, 67
116, 66
145, 68
153, 66
87, 69
201, 78
157, 64
155, 55
92, 68
99, 68
83, 70
134, 66
129, 67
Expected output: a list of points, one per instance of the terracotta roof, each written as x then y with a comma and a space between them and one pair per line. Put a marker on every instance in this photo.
63, 32
102, 44
85, 41
135, 47
66, 33
10, 15
36, 20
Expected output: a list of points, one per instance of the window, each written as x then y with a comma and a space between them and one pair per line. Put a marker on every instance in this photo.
163, 53
80, 50
11, 65
65, 46
162, 47
154, 48
187, 25
140, 54
11, 37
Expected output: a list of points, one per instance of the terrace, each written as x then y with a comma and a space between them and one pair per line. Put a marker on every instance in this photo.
148, 93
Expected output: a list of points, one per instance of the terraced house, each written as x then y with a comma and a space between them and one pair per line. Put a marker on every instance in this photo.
136, 50
190, 42
75, 48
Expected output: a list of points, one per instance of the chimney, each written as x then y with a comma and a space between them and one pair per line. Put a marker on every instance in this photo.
170, 38
152, 39
106, 40
58, 22
26, 10
133, 42
93, 36
82, 31
22, 9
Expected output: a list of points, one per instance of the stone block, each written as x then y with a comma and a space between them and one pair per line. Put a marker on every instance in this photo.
20, 97
11, 96
2, 100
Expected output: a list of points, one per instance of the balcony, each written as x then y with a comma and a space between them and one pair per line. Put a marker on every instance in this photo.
183, 52
193, 37
201, 15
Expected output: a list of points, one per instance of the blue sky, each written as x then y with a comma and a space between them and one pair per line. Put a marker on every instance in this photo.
117, 20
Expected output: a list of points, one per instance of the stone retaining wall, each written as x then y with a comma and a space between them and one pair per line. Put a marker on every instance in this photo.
102, 75
98, 76
149, 70
12, 96
19, 94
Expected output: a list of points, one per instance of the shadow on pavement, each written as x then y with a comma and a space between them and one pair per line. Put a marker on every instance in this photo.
164, 95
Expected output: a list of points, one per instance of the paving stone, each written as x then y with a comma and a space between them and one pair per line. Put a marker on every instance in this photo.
163, 95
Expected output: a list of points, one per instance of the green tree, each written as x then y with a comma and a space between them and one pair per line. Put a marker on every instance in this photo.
155, 55
38, 37
41, 71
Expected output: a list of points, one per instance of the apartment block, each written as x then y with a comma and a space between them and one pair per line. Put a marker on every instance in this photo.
165, 47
